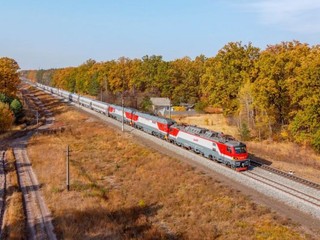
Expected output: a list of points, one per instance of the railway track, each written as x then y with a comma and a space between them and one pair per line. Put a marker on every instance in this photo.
3, 184
286, 175
39, 219
298, 190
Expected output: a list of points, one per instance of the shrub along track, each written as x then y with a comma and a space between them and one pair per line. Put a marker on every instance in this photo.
39, 224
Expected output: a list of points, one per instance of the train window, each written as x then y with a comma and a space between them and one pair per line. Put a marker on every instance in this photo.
240, 149
229, 149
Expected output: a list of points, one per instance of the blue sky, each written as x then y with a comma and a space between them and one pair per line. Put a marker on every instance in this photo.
60, 33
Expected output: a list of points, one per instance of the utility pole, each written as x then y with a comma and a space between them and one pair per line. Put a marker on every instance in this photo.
169, 108
37, 116
122, 103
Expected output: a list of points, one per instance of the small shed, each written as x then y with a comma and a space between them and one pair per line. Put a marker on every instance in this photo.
160, 105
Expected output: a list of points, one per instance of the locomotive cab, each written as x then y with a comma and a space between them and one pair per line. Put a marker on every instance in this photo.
240, 155
237, 155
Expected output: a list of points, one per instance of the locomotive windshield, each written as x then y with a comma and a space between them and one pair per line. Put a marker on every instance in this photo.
240, 149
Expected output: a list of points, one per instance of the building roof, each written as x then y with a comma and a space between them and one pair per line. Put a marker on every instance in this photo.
160, 101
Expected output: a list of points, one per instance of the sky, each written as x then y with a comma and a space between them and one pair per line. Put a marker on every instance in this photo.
61, 33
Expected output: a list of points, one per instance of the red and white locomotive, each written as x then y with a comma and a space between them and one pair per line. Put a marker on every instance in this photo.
212, 145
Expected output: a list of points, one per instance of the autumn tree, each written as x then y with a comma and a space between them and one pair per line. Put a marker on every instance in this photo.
154, 75
227, 72
304, 90
6, 117
276, 69
185, 74
9, 77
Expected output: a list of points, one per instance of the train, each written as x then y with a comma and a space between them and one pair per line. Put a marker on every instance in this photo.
212, 145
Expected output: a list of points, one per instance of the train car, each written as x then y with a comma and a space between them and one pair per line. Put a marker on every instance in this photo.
115, 112
157, 126
100, 107
84, 101
213, 145
63, 93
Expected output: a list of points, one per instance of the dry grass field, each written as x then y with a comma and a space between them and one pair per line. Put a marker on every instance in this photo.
282, 155
123, 190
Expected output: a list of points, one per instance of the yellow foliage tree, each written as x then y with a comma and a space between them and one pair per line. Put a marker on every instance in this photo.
9, 77
6, 117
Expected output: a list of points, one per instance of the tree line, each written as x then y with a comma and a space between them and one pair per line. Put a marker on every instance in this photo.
10, 105
274, 92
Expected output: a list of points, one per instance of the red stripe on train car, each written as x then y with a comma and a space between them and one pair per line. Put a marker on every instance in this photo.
163, 127
174, 132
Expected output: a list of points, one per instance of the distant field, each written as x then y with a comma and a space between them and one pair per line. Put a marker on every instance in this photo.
123, 190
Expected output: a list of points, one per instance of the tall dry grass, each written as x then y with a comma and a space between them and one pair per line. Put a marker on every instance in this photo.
123, 190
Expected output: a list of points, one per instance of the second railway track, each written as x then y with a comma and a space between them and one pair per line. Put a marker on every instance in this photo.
298, 191
286, 175
39, 219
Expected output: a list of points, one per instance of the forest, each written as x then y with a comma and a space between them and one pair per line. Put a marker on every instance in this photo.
271, 93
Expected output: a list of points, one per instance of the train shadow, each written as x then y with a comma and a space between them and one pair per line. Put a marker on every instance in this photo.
259, 159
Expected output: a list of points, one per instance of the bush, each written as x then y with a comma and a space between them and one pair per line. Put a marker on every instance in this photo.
5, 99
6, 117
16, 108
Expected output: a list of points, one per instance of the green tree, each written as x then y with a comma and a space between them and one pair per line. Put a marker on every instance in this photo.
16, 108
5, 99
